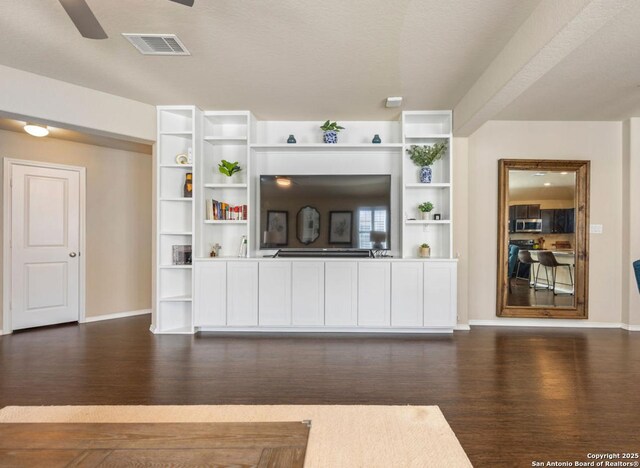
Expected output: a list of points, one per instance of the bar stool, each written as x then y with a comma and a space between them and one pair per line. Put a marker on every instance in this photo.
525, 257
548, 260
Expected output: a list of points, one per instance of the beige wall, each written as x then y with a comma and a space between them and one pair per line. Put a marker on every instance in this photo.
54, 102
599, 142
119, 234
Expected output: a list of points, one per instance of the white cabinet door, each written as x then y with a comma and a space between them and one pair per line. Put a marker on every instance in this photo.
242, 293
210, 301
374, 294
407, 294
439, 294
341, 294
307, 300
274, 298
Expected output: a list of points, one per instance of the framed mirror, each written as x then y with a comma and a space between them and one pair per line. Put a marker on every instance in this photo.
308, 225
543, 238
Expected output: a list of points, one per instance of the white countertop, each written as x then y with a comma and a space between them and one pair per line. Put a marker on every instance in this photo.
323, 259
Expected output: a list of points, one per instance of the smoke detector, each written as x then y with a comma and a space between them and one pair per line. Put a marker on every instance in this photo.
157, 44
394, 101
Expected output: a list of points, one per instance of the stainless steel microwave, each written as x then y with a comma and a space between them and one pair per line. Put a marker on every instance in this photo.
528, 225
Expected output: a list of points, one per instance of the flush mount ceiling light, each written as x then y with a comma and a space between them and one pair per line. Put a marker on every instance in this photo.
36, 130
283, 181
563, 173
546, 184
539, 174
394, 101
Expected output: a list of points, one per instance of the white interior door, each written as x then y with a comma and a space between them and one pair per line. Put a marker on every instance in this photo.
45, 242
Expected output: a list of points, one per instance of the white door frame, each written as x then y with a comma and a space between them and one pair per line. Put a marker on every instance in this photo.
7, 326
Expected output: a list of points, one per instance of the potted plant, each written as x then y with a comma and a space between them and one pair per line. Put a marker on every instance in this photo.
425, 156
425, 209
425, 250
228, 169
331, 130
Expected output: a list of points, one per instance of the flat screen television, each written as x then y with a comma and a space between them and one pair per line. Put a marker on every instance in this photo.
325, 211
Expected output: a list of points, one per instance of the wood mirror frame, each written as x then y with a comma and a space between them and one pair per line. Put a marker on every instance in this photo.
579, 310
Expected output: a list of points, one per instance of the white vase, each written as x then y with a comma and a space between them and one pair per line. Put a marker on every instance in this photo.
425, 215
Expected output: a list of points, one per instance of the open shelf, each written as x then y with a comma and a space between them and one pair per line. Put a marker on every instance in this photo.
427, 186
175, 233
226, 140
176, 267
223, 186
427, 221
176, 299
326, 146
177, 166
225, 221
183, 199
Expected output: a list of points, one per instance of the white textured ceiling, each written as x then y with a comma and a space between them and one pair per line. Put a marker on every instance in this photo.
600, 80
285, 59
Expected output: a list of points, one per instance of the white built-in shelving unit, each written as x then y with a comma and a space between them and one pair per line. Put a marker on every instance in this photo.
175, 217
427, 128
260, 148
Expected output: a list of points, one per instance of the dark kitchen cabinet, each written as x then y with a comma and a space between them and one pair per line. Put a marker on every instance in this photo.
533, 211
563, 221
547, 221
525, 211
560, 221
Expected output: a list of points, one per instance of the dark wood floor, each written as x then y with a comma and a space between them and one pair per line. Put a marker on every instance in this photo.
524, 296
512, 396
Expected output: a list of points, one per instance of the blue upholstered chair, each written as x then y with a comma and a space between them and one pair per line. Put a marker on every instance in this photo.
513, 258
636, 267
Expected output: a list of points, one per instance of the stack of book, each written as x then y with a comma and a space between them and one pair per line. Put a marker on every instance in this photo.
223, 211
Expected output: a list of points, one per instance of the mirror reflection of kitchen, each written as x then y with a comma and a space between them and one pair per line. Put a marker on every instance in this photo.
541, 238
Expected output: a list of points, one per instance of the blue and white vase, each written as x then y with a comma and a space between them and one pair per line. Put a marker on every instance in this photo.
425, 174
331, 136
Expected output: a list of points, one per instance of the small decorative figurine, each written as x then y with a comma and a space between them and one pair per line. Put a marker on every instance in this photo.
376, 139
291, 139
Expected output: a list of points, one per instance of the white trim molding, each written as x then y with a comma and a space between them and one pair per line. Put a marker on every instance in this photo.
545, 323
118, 315
629, 327
462, 327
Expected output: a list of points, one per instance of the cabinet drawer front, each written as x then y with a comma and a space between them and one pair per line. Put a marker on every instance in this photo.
407, 294
210, 301
374, 288
242, 294
439, 295
307, 299
274, 299
341, 293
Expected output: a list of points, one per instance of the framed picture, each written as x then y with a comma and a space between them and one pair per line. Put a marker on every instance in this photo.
340, 227
181, 254
436, 217
277, 232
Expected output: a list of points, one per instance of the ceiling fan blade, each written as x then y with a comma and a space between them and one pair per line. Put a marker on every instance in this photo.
83, 18
184, 2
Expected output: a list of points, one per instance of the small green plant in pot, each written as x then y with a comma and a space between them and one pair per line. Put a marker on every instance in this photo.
424, 250
424, 157
425, 209
228, 169
331, 130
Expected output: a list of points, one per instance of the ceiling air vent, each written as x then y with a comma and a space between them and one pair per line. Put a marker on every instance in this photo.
157, 44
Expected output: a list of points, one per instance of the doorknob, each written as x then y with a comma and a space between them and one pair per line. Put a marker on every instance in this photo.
72, 254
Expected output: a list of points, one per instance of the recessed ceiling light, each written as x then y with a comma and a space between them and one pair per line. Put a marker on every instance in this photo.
539, 174
394, 101
283, 181
36, 130
564, 173
547, 184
